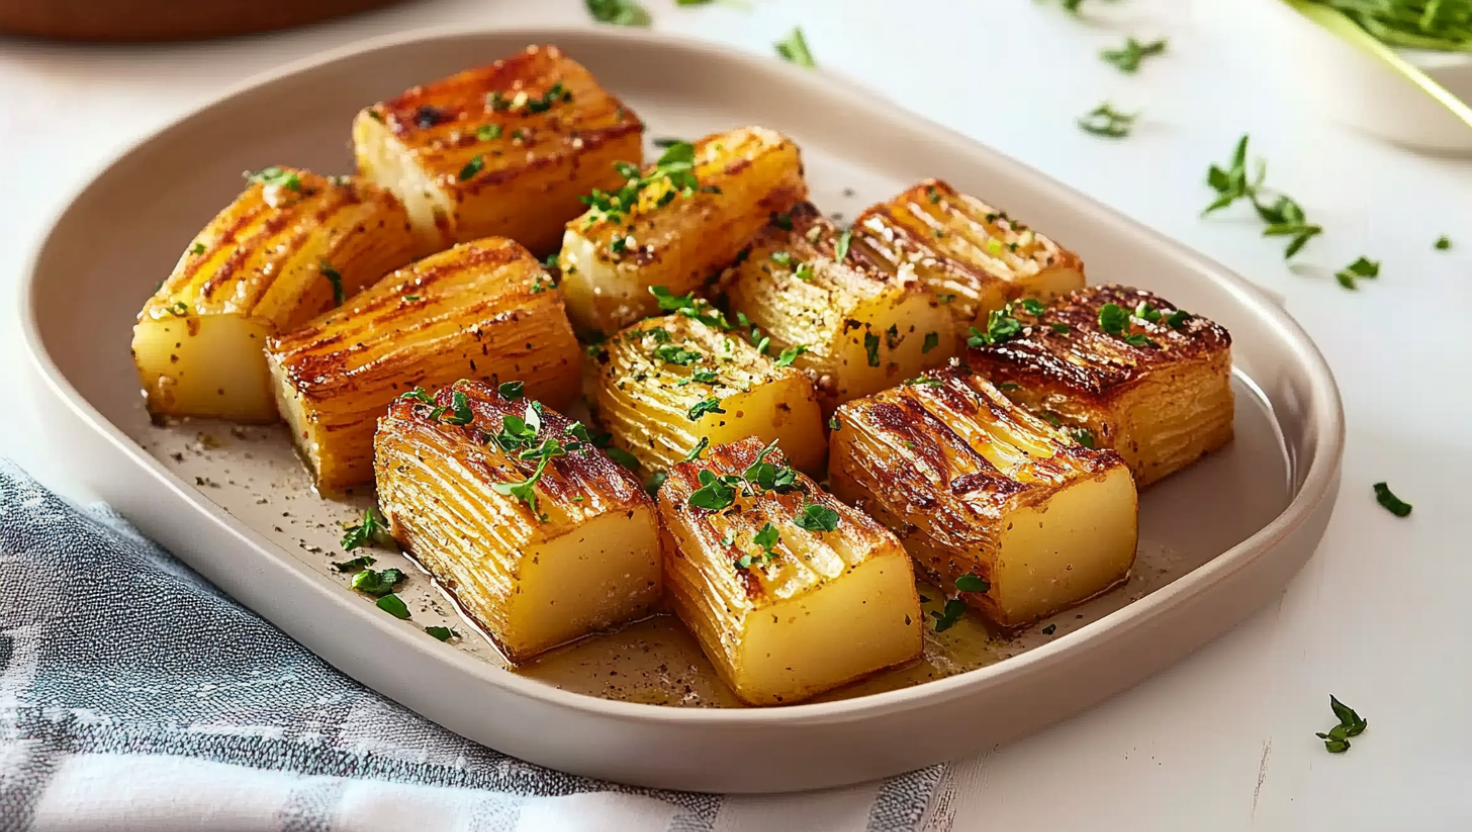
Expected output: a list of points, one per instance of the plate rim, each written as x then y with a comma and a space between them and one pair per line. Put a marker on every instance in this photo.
1327, 426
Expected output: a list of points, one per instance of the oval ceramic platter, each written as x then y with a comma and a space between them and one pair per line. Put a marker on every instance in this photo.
643, 706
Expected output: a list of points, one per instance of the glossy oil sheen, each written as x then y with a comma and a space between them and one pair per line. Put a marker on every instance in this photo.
1218, 540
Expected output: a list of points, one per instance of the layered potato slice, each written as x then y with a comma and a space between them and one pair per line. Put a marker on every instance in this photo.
789, 592
484, 310
981, 492
972, 256
830, 311
291, 246
675, 224
539, 535
502, 150
1125, 369
666, 385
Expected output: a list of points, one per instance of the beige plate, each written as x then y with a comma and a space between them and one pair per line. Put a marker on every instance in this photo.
1217, 541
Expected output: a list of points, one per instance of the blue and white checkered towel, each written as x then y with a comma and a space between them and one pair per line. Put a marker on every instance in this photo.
134, 696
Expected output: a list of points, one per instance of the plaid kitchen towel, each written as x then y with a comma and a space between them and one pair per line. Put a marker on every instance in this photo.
135, 696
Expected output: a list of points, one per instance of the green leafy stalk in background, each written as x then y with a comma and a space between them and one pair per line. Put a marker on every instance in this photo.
1443, 25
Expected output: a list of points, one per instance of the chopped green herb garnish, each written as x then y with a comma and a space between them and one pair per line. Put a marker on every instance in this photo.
767, 538
871, 348
710, 405
677, 355
1000, 328
971, 582
667, 142
690, 306
372, 531
1032, 306
766, 476
955, 608
1113, 319
1129, 56
178, 309
335, 279
197, 248
1061, 329
844, 239
714, 492
472, 167
460, 412
355, 564
442, 633
278, 177
794, 49
1177, 319
651, 485
790, 355
1350, 724
1361, 268
803, 272
782, 221
618, 12
924, 382
696, 451
513, 390
375, 583
525, 490
1443, 243
1104, 120
393, 605
411, 298
486, 132
1084, 436
1008, 385
418, 395
1390, 502
782, 258
833, 423
817, 518
932, 340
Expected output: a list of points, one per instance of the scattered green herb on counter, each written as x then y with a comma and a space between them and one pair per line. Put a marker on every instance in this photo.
1284, 216
513, 390
442, 633
1106, 121
696, 451
618, 12
794, 49
1443, 243
476, 164
955, 608
377, 584
393, 605
1361, 268
1390, 502
372, 531
355, 564
817, 518
970, 582
1285, 219
1350, 724
1128, 57
333, 277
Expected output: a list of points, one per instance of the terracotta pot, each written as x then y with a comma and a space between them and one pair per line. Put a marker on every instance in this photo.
156, 20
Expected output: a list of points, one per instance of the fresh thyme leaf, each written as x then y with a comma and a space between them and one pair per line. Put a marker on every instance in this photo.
1128, 57
393, 605
1106, 121
1231, 183
871, 348
790, 355
442, 633
472, 167
1443, 243
1361, 268
1351, 724
817, 518
1390, 502
513, 390
525, 490
696, 451
710, 405
335, 279
618, 12
460, 412
713, 494
372, 531
362, 562
970, 582
932, 340
955, 608
375, 583
844, 239
794, 49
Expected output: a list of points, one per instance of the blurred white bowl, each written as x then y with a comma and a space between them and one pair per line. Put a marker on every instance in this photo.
1341, 81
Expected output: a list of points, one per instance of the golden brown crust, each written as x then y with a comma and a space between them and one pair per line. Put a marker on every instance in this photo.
1087, 361
439, 122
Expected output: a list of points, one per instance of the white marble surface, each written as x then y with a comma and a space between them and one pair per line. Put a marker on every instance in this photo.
1224, 740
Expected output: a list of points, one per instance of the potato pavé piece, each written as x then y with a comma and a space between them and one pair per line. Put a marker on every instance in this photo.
540, 536
833, 313
292, 245
972, 256
983, 493
485, 310
789, 592
675, 224
667, 385
503, 150
1124, 369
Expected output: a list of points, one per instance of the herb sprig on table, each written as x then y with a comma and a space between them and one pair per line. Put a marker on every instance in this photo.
1284, 216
